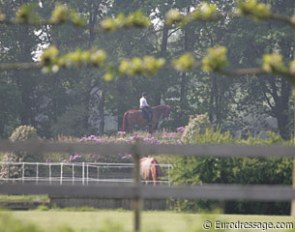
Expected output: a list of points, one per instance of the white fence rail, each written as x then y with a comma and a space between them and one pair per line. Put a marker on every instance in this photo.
74, 172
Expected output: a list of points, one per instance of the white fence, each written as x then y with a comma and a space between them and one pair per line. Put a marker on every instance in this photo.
78, 172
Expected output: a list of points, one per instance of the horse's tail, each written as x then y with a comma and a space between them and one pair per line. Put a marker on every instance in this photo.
124, 122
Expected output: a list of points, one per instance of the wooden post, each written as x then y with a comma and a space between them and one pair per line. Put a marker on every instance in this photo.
49, 170
137, 201
73, 173
83, 173
293, 170
61, 173
37, 173
23, 172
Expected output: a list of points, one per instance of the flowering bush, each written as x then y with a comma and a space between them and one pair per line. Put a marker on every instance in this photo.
122, 137
197, 125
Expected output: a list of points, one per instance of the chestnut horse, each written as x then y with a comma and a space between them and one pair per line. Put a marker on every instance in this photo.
135, 117
150, 170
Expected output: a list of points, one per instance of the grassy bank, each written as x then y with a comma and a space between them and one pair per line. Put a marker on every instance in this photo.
151, 220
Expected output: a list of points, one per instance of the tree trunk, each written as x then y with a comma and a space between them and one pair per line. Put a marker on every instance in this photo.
159, 77
214, 111
101, 112
188, 47
277, 92
93, 10
26, 81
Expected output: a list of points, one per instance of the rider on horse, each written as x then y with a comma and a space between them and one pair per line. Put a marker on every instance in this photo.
146, 109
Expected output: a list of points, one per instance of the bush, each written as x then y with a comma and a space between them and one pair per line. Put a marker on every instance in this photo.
197, 125
20, 134
194, 170
23, 133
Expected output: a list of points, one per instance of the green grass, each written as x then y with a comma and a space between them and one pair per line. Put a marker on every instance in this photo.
30, 198
151, 221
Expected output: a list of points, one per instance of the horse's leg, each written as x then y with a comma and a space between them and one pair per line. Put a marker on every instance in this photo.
154, 173
147, 176
151, 121
131, 127
150, 128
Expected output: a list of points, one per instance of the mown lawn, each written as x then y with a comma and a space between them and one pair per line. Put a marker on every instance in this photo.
151, 221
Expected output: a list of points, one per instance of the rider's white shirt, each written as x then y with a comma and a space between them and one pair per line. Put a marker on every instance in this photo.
143, 102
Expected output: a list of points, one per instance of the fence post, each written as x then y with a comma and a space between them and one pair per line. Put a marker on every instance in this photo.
8, 172
23, 172
73, 173
87, 173
61, 173
169, 170
137, 201
83, 173
97, 173
49, 170
37, 173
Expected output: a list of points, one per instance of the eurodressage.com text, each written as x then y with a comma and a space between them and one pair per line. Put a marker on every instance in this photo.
238, 225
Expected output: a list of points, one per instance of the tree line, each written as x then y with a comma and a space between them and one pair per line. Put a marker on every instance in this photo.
78, 101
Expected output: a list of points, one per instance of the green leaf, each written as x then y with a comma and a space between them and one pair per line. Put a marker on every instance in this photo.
135, 19
173, 16
273, 63
49, 56
62, 13
204, 11
98, 57
59, 14
215, 59
108, 77
27, 14
108, 24
147, 66
184, 63
252, 8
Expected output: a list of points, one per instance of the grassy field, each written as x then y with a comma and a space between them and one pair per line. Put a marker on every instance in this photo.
151, 221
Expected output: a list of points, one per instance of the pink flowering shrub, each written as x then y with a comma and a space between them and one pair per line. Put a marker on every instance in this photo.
157, 138
122, 137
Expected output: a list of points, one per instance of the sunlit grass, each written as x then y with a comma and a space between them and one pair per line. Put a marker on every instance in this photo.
151, 220
26, 198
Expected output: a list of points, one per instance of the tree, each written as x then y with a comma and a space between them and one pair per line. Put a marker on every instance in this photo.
17, 45
179, 31
274, 93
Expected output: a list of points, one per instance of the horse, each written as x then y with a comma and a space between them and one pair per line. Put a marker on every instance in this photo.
135, 117
150, 170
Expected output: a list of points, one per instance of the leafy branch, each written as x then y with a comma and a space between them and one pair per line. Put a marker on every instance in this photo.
214, 61
27, 14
